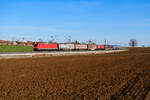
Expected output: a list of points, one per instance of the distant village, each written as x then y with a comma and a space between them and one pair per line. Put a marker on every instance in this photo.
17, 43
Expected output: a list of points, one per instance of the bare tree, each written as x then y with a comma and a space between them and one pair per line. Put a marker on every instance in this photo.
51, 39
90, 42
77, 42
15, 39
133, 43
40, 40
105, 41
143, 46
69, 39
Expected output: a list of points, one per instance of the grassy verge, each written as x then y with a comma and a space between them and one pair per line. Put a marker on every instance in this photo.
7, 49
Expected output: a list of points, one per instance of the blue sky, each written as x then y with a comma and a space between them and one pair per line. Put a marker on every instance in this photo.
115, 20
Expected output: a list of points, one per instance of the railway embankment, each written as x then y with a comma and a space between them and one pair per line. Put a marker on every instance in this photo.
54, 53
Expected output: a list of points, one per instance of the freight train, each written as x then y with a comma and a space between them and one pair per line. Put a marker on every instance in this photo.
72, 47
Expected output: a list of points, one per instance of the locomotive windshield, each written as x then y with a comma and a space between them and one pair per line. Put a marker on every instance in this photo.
35, 44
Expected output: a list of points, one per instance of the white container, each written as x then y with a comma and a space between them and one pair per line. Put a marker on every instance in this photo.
81, 46
66, 46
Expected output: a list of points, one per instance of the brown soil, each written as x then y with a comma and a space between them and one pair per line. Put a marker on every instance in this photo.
116, 76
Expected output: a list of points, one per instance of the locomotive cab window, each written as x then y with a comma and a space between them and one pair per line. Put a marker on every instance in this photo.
35, 44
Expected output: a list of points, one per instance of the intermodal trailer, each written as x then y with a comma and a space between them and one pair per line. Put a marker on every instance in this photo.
41, 47
100, 47
91, 46
63, 46
81, 47
109, 47
116, 47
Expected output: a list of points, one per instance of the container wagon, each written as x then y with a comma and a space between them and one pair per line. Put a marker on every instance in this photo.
46, 47
109, 47
116, 47
100, 47
91, 46
81, 47
69, 47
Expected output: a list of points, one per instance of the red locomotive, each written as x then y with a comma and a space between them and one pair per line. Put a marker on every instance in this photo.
40, 47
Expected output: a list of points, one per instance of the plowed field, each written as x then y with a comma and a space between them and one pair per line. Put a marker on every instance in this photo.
116, 76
